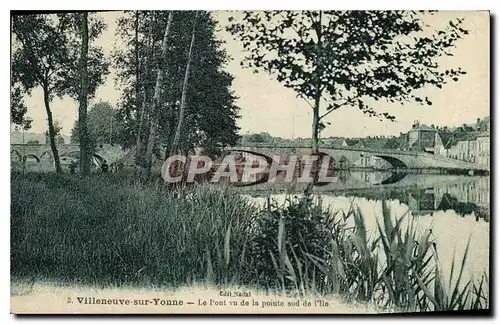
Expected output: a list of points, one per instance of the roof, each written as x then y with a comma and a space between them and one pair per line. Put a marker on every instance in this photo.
395, 143
354, 142
335, 141
445, 137
423, 127
375, 142
455, 137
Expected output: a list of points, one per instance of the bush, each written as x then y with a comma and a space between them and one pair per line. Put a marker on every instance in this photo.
282, 240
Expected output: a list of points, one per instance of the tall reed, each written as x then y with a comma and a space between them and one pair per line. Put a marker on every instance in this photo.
110, 230
397, 268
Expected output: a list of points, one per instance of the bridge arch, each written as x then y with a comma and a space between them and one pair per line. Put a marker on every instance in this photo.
269, 161
97, 159
395, 162
46, 156
16, 155
33, 156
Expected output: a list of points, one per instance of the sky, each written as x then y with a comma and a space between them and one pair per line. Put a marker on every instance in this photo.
267, 106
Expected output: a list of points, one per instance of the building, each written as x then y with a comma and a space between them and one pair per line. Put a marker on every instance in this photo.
483, 125
463, 150
471, 147
483, 151
424, 138
472, 152
336, 142
452, 152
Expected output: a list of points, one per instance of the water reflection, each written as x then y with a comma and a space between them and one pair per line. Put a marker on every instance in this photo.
464, 195
424, 194
455, 207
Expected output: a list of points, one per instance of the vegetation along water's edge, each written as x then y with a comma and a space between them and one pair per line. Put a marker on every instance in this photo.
111, 231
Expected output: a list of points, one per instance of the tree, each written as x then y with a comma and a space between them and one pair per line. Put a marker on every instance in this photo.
210, 111
141, 160
57, 134
256, 138
182, 109
157, 100
85, 148
346, 58
102, 123
40, 53
18, 109
46, 55
210, 105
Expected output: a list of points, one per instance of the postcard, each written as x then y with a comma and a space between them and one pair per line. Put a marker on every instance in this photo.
250, 162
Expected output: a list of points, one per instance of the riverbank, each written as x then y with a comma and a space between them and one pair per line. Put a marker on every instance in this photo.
108, 230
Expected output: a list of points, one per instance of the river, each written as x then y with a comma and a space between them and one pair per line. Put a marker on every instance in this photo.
455, 207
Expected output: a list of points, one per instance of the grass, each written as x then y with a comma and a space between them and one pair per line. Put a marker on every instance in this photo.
108, 230
105, 230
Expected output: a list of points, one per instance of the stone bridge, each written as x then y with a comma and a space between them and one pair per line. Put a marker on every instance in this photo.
344, 157
67, 152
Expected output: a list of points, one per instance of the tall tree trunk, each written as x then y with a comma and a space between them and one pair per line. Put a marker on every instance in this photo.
315, 126
317, 99
317, 103
85, 148
137, 67
137, 77
52, 131
169, 133
140, 147
182, 109
157, 97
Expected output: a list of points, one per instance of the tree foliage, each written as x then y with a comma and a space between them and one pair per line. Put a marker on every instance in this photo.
18, 109
46, 55
103, 125
348, 58
211, 111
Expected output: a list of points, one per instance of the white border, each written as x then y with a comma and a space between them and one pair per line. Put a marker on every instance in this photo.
212, 5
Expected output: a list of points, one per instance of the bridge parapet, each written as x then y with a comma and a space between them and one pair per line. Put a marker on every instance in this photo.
108, 152
397, 158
